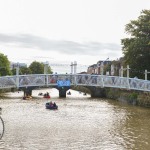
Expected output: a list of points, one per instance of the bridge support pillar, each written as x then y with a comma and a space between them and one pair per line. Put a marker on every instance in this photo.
97, 92
27, 92
62, 91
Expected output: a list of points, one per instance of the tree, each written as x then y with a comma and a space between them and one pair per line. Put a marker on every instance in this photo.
22, 71
38, 68
49, 70
136, 48
4, 65
25, 70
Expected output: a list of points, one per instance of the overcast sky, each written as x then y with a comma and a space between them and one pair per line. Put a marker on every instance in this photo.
62, 31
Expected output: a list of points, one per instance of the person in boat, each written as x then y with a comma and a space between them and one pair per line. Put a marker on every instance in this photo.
24, 98
84, 93
40, 93
54, 105
46, 94
69, 93
51, 103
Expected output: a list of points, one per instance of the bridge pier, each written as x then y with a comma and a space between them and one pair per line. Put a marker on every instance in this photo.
97, 92
62, 91
27, 91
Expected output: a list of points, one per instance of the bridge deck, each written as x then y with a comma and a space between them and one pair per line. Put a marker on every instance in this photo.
77, 79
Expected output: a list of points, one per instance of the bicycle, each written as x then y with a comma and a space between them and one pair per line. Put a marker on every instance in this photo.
2, 127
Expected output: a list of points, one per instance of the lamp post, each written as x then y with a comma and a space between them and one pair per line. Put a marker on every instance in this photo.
46, 67
128, 71
17, 74
17, 68
121, 71
73, 67
112, 70
102, 66
146, 72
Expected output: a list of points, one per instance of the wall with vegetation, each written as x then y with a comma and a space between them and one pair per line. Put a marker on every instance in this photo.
129, 96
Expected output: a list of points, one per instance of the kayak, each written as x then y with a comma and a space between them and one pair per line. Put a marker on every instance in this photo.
47, 96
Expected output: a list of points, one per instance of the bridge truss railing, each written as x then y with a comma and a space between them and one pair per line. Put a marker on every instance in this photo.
7, 82
77, 79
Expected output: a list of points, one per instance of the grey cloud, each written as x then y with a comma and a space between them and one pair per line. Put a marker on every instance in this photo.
69, 47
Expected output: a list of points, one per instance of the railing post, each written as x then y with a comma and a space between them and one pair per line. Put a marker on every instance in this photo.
121, 71
112, 70
102, 81
128, 71
75, 71
102, 68
75, 79
75, 67
46, 67
45, 72
17, 75
71, 67
46, 80
146, 74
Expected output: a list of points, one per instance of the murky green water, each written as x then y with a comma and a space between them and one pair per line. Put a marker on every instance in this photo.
80, 123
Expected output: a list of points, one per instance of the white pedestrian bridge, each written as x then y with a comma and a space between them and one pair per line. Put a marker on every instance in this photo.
47, 80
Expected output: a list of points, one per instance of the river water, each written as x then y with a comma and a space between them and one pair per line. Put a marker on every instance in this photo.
80, 123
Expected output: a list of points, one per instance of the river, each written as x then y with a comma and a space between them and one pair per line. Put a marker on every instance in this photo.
80, 123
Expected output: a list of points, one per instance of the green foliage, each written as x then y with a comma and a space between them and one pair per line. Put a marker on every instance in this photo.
4, 65
25, 70
37, 67
112, 93
133, 96
107, 68
136, 49
22, 71
49, 70
34, 68
14, 71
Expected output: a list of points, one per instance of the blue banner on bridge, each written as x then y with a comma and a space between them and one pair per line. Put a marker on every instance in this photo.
61, 83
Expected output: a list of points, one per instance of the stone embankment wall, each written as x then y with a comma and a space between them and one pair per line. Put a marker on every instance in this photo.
132, 97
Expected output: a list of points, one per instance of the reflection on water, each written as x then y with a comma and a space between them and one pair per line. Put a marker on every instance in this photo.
80, 123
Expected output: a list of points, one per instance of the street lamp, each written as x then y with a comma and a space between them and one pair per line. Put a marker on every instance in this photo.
17, 68
146, 72
121, 71
102, 66
73, 67
46, 67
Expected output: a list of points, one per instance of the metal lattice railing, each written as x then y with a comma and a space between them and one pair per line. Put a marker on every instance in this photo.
75, 79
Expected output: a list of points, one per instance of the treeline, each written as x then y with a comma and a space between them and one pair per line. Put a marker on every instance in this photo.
34, 68
136, 48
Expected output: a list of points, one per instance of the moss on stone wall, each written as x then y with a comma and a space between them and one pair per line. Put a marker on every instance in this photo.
144, 99
129, 96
